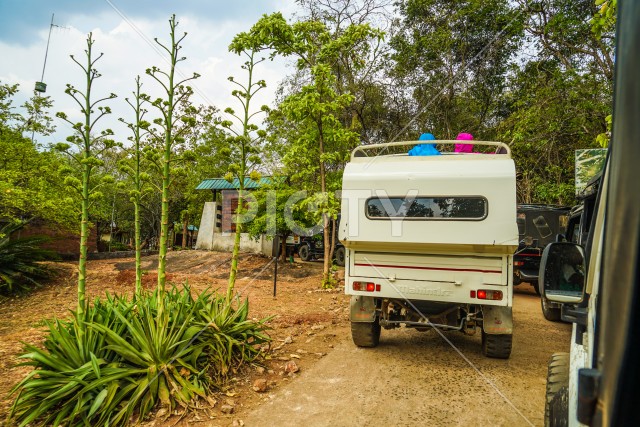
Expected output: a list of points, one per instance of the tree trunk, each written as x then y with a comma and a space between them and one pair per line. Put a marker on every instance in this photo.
185, 229
138, 247
164, 229
236, 244
82, 263
283, 247
326, 266
333, 239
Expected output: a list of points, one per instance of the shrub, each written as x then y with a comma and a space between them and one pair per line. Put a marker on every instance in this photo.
133, 358
68, 383
20, 265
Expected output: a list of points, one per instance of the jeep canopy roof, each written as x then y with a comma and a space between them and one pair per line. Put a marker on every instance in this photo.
451, 202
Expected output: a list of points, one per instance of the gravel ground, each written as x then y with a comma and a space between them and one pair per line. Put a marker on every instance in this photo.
417, 378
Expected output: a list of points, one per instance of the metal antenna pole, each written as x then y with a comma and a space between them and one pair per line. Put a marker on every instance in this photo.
46, 52
42, 86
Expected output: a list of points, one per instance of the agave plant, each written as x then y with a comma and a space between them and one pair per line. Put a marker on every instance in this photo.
130, 360
74, 381
230, 338
20, 259
160, 351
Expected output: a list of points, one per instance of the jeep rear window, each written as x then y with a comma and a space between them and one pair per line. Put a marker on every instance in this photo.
471, 208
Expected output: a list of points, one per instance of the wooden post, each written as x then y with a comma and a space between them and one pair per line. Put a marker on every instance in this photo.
275, 275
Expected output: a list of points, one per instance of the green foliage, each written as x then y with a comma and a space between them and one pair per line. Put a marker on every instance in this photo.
604, 20
89, 148
243, 146
20, 260
454, 57
552, 113
76, 379
317, 141
133, 358
461, 63
229, 338
604, 138
175, 122
30, 177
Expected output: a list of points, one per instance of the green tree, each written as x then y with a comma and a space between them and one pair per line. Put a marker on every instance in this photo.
551, 114
454, 57
133, 167
603, 23
88, 149
243, 144
359, 71
30, 183
204, 140
172, 126
561, 29
558, 100
321, 141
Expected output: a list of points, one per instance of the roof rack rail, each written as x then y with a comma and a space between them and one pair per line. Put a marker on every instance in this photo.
360, 151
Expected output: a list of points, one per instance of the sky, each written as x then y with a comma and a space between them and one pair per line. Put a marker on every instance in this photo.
124, 32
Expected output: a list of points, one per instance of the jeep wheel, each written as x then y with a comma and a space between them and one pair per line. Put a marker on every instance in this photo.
304, 253
550, 313
556, 407
365, 334
496, 346
340, 255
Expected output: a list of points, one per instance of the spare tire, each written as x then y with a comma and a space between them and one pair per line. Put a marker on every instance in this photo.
340, 256
304, 253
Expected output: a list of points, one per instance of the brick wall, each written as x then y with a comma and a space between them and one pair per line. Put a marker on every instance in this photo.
65, 243
229, 206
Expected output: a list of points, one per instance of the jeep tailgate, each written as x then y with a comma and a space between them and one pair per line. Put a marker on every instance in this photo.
461, 270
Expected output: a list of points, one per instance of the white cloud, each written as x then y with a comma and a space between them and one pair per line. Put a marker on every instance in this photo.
126, 55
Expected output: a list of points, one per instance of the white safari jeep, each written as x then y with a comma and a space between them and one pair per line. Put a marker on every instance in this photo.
430, 241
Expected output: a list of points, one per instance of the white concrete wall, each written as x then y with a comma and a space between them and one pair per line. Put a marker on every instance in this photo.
224, 242
207, 227
211, 238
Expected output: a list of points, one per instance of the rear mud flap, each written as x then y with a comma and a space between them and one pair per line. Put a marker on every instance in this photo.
497, 320
363, 309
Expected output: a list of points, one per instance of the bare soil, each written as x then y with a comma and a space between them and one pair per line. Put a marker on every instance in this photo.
302, 313
412, 378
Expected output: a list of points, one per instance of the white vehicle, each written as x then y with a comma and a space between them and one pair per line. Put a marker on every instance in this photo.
598, 287
430, 242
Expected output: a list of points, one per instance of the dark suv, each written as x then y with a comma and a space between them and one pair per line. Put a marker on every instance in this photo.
538, 225
313, 247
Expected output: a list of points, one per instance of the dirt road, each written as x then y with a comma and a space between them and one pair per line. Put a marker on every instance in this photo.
413, 378
417, 378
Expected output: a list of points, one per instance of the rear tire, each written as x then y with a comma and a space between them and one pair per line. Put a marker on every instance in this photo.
304, 253
536, 288
556, 405
552, 314
340, 256
497, 346
365, 334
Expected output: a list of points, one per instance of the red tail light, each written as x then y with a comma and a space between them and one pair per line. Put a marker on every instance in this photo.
490, 295
365, 286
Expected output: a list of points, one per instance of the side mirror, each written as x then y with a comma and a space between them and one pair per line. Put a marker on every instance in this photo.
562, 273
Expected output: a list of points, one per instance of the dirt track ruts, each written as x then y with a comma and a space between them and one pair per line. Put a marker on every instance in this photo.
416, 378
